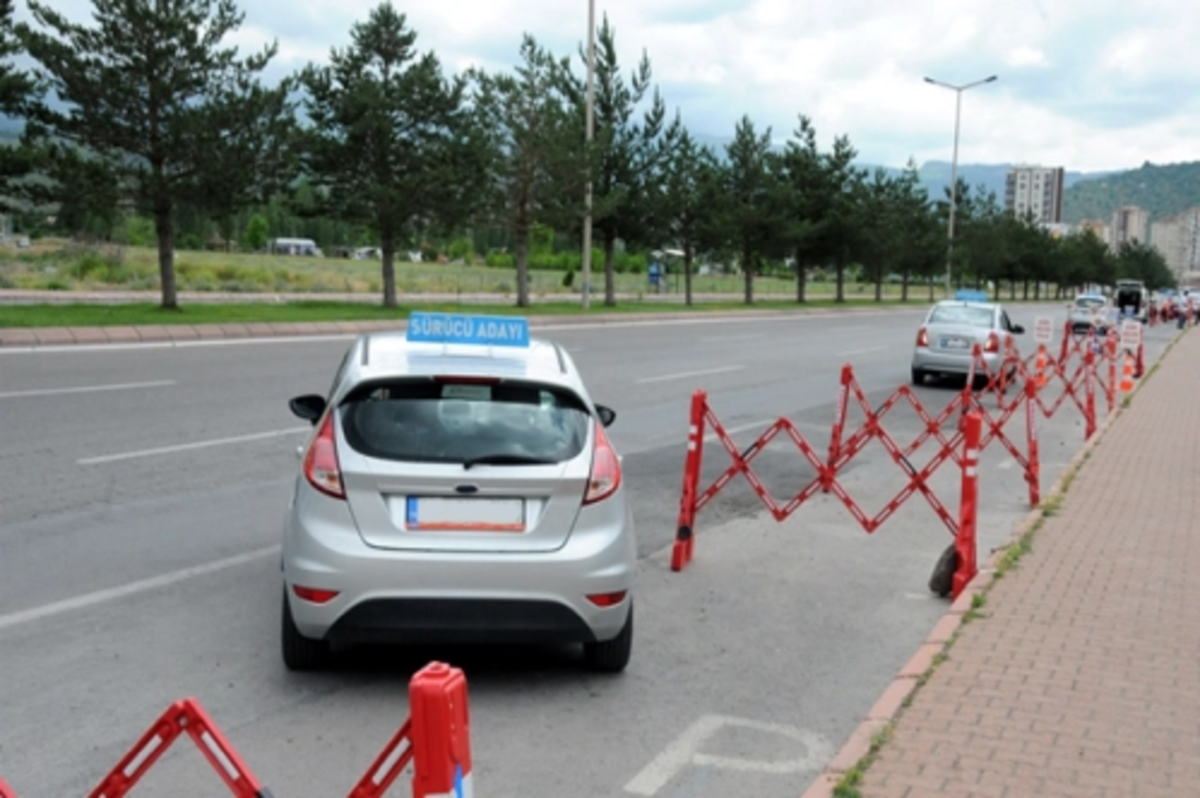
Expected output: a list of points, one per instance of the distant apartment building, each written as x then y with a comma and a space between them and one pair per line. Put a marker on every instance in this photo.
1177, 239
1036, 190
1130, 224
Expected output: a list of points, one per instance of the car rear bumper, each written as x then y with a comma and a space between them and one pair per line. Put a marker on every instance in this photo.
421, 596
932, 361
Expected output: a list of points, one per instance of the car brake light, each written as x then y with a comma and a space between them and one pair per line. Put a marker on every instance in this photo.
993, 343
922, 337
314, 594
608, 599
606, 470
321, 467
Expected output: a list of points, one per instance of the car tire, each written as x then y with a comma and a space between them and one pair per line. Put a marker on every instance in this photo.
611, 656
300, 653
918, 377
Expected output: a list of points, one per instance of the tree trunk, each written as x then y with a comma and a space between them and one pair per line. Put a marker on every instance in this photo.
801, 277
521, 229
387, 246
840, 270
165, 232
610, 278
904, 287
748, 273
878, 289
687, 273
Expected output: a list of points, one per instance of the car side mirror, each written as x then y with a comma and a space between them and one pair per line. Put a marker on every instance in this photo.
308, 407
607, 415
1018, 329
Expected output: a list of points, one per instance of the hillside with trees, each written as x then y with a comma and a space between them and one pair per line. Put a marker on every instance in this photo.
1162, 190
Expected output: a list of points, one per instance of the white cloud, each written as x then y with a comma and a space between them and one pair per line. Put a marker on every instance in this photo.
1085, 85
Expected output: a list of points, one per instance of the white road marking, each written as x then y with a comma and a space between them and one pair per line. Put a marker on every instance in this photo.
870, 351
685, 374
684, 751
729, 339
128, 386
132, 588
712, 436
185, 447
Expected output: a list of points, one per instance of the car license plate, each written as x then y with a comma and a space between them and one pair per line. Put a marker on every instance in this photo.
435, 513
948, 342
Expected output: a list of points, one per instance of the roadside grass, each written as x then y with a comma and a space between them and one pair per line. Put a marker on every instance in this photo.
316, 310
64, 266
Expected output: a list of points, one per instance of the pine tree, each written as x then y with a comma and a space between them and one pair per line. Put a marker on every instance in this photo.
390, 140
156, 99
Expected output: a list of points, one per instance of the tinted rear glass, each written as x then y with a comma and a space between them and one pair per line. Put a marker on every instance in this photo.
427, 421
961, 315
1087, 303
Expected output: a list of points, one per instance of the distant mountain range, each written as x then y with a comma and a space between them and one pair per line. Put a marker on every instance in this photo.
1162, 190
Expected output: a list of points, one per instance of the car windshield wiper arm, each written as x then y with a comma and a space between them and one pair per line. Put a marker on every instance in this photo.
506, 459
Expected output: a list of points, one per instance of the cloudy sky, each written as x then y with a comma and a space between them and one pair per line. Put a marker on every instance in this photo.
1086, 84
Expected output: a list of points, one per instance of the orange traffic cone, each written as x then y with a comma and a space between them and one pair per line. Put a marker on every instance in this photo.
1041, 366
1127, 374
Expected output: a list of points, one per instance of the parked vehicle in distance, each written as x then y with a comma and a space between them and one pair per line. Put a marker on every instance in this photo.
459, 487
1088, 312
948, 335
1132, 299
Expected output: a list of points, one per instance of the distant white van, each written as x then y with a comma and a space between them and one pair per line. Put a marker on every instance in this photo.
294, 246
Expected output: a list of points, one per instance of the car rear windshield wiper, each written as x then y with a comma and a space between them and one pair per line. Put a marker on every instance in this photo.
506, 459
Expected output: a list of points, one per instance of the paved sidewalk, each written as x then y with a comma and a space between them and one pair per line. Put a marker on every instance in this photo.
1081, 675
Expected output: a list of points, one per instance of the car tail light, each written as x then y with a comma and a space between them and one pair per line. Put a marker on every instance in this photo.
606, 470
321, 467
314, 594
608, 599
922, 337
993, 343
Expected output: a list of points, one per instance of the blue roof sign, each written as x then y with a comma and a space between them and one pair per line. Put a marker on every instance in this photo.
464, 328
971, 296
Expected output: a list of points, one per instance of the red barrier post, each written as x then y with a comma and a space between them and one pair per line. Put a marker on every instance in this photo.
681, 554
839, 428
441, 732
1139, 368
6, 791
1089, 379
1033, 473
1068, 334
964, 542
182, 717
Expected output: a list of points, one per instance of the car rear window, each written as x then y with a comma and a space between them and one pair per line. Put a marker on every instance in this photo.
1087, 303
428, 420
961, 315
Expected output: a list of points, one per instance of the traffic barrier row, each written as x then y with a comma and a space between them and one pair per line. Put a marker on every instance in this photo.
1076, 369
435, 739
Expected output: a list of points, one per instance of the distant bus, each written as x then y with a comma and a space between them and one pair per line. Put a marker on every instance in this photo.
294, 246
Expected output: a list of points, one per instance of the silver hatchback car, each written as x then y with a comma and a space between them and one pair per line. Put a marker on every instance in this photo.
947, 337
459, 487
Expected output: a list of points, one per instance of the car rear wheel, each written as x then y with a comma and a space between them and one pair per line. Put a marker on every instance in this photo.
300, 653
611, 656
918, 377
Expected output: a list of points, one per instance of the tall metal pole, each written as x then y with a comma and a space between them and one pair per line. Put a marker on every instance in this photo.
958, 91
953, 197
591, 125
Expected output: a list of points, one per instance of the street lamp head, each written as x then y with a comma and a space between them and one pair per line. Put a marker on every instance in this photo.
992, 78
930, 80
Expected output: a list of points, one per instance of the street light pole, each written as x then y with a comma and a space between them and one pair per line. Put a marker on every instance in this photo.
591, 124
958, 91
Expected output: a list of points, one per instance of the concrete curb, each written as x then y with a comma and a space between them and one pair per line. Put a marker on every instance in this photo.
889, 706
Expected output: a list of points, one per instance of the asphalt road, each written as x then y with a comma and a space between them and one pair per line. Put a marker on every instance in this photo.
140, 514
